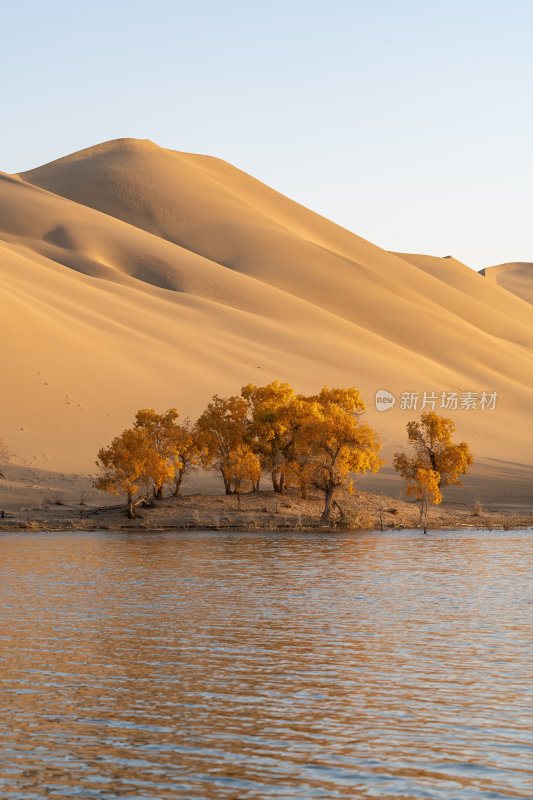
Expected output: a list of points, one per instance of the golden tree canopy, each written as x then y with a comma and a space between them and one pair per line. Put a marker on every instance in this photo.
339, 442
348, 399
242, 468
221, 431
332, 441
184, 445
127, 464
275, 416
434, 450
187, 451
424, 485
270, 409
161, 431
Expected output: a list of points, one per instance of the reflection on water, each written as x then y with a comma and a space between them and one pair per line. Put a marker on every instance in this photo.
266, 665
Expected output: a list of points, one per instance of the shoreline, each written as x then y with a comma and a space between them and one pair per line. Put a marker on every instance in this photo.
264, 511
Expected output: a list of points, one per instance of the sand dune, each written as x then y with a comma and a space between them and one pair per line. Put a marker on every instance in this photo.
131, 275
516, 277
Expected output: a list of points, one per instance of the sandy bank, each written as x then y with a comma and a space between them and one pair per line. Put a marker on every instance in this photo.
261, 511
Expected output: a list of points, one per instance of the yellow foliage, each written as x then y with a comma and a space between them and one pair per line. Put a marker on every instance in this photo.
185, 451
241, 468
304, 441
161, 432
425, 486
275, 416
348, 399
333, 443
314, 440
126, 465
221, 431
434, 450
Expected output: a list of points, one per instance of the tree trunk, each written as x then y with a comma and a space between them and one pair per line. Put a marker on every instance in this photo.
131, 509
227, 483
339, 509
327, 504
424, 514
281, 484
177, 487
275, 482
433, 460
158, 492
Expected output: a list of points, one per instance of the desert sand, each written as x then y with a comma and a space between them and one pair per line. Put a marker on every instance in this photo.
516, 277
133, 276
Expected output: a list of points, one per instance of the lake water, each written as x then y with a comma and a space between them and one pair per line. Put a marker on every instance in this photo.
231, 665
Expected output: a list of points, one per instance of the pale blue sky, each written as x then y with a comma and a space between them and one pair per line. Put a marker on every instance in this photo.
408, 122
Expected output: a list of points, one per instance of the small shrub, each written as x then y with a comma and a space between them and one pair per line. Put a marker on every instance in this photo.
478, 509
24, 525
54, 500
359, 521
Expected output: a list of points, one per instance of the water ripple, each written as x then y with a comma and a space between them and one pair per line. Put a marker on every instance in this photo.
266, 666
